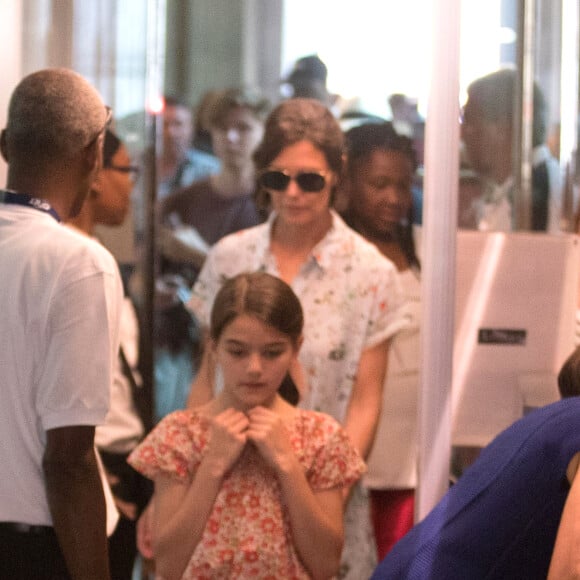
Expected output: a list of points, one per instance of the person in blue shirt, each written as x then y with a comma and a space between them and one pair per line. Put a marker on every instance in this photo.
502, 518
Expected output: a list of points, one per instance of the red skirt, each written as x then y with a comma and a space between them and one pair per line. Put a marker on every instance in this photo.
392, 513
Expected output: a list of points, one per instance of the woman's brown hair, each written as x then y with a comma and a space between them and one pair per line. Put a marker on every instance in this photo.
297, 120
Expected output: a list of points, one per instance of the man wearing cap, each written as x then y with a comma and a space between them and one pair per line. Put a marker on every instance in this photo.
61, 295
308, 79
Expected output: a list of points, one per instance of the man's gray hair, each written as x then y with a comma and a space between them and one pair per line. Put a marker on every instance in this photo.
53, 113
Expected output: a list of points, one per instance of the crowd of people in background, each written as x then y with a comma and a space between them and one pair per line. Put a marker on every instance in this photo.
279, 435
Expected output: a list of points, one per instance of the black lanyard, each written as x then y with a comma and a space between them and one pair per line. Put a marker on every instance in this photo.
14, 198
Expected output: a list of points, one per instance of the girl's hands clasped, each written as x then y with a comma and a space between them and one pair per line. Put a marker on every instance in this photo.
231, 430
228, 439
269, 435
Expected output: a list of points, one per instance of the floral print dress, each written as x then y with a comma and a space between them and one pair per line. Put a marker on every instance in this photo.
248, 532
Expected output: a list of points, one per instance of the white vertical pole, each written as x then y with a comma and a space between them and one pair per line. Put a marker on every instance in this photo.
155, 68
11, 34
438, 256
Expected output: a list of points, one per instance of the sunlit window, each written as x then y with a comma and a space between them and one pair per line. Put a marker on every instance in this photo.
374, 48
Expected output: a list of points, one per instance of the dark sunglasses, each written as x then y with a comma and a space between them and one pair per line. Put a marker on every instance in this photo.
309, 181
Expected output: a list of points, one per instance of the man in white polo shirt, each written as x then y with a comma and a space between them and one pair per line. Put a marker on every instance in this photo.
61, 295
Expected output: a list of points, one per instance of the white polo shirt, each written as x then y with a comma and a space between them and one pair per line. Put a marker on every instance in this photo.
60, 296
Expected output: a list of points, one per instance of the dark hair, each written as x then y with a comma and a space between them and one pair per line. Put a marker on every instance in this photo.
111, 145
569, 376
361, 142
363, 139
494, 95
261, 295
297, 120
224, 101
268, 299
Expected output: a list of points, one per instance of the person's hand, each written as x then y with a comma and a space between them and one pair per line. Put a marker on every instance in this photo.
183, 245
168, 290
145, 532
126, 509
227, 439
270, 437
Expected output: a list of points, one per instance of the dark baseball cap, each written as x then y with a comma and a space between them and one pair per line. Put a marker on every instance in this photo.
307, 68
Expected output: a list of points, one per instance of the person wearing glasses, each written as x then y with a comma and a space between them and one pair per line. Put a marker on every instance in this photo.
108, 204
109, 200
349, 291
61, 296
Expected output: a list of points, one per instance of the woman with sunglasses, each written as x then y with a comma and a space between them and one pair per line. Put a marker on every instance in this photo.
349, 291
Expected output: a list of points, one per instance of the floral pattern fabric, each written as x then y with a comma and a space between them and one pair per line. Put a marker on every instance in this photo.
248, 532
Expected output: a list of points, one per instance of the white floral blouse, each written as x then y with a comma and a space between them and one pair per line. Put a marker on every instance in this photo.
349, 291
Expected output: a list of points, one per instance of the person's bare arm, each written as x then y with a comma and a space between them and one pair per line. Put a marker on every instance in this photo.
565, 563
76, 500
145, 532
365, 402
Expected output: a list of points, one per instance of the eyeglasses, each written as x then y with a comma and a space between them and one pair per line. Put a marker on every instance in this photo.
132, 169
108, 119
308, 181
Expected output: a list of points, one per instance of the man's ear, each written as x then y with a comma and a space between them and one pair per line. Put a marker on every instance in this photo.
3, 145
97, 185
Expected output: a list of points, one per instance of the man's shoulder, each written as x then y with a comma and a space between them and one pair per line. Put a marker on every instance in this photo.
75, 250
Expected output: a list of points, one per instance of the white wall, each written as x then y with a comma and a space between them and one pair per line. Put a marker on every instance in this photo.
11, 34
